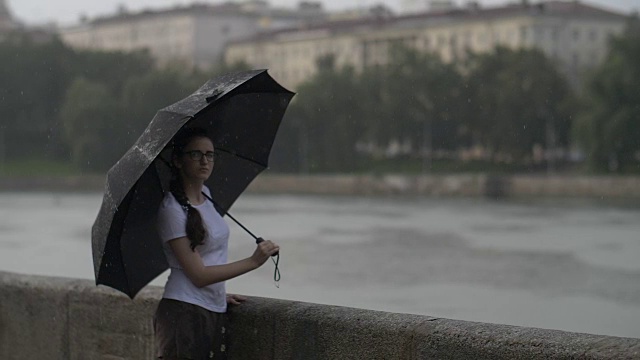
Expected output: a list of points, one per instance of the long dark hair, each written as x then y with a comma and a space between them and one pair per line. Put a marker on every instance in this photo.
195, 228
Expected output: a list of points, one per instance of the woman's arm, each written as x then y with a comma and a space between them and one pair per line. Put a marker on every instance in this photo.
201, 275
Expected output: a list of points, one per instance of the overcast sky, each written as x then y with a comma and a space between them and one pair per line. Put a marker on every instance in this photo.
69, 11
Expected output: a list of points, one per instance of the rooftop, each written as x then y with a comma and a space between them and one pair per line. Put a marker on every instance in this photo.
547, 8
7, 22
252, 8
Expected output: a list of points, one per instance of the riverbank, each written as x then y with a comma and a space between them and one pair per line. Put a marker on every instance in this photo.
467, 185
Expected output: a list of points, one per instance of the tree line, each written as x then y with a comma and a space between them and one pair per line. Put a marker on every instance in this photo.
84, 107
508, 108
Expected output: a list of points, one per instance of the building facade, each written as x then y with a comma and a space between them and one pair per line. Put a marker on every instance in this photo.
194, 36
7, 22
571, 33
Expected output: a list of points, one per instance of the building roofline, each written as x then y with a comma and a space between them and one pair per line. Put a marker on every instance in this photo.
549, 8
225, 9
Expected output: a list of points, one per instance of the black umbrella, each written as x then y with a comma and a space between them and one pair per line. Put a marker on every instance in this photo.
241, 112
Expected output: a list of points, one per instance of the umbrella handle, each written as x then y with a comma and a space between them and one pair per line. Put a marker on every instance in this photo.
276, 259
260, 239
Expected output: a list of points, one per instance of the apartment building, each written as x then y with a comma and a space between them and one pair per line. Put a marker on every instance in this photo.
7, 22
12, 28
572, 33
192, 35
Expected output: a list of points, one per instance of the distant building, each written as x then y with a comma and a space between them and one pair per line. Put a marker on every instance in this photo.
7, 22
377, 11
193, 35
571, 33
14, 30
414, 6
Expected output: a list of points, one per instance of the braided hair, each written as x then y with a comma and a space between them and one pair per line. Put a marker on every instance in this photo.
195, 228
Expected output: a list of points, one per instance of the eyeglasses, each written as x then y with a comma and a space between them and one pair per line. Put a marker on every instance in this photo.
196, 155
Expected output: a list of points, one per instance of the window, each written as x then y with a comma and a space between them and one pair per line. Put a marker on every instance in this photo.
453, 40
482, 38
538, 33
523, 33
467, 38
425, 42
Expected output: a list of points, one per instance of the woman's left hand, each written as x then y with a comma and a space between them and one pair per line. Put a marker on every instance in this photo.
234, 299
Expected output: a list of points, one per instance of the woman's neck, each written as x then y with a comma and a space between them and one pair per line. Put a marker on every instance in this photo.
193, 191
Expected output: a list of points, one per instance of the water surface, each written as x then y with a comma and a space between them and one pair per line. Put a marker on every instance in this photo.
569, 265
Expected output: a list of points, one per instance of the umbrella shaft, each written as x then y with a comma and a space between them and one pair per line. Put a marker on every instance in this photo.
258, 240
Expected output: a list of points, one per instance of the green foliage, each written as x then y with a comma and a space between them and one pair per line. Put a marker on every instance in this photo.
116, 101
423, 95
93, 122
506, 102
325, 118
112, 69
33, 80
58, 104
413, 99
516, 99
144, 95
608, 128
93, 112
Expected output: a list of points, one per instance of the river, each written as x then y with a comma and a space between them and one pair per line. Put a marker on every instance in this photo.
558, 264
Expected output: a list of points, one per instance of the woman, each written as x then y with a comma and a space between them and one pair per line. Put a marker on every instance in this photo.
189, 321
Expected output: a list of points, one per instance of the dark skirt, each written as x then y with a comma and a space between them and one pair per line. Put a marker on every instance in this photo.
187, 331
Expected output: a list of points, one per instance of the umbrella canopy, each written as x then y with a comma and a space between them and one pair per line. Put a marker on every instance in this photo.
241, 112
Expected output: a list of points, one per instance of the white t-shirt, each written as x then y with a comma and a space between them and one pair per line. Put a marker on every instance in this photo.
172, 219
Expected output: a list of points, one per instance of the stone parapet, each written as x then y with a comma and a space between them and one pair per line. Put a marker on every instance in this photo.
57, 318
468, 185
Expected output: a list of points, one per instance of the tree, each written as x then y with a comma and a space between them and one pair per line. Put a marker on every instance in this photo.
93, 125
33, 80
112, 68
142, 96
424, 96
327, 121
516, 100
609, 126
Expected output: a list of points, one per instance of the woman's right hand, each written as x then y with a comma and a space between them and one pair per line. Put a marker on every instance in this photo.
263, 251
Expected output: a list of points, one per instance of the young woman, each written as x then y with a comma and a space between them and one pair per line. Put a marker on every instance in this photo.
190, 322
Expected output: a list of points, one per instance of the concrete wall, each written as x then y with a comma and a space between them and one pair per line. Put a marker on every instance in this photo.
56, 318
614, 187
611, 187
